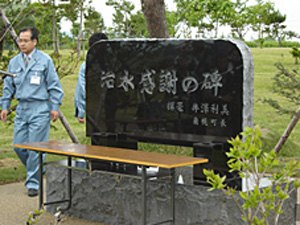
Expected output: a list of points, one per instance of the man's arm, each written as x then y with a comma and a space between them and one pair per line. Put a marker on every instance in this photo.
55, 91
80, 94
7, 94
54, 115
3, 115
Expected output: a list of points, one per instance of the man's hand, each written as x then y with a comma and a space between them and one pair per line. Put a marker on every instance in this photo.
81, 120
4, 115
54, 115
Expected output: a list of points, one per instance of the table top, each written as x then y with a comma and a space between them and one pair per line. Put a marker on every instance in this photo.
112, 154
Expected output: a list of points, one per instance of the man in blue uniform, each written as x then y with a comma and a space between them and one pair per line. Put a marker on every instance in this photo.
79, 98
38, 90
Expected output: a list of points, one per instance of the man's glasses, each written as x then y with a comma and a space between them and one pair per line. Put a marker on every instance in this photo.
24, 40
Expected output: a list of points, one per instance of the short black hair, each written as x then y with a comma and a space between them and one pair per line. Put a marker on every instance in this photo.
34, 32
96, 37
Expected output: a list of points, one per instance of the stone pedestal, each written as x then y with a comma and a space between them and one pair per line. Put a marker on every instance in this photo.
115, 200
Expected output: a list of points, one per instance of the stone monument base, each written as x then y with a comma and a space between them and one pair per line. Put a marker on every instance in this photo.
116, 200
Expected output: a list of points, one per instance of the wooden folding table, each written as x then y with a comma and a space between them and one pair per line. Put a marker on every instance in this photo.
144, 159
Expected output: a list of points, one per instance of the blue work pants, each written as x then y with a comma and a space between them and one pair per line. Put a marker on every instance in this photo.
32, 124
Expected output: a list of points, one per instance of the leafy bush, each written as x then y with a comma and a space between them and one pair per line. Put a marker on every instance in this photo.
286, 84
290, 44
295, 53
246, 157
251, 44
273, 44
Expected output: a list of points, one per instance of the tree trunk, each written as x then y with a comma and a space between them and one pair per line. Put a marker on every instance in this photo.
83, 48
155, 15
287, 132
241, 36
55, 45
2, 34
9, 27
79, 34
279, 42
217, 28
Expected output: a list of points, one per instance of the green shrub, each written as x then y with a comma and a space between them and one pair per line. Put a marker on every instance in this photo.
251, 44
273, 44
246, 157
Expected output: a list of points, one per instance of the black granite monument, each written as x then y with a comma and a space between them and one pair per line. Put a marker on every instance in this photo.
196, 93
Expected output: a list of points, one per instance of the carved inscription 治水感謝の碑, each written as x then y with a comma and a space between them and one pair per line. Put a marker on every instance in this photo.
171, 86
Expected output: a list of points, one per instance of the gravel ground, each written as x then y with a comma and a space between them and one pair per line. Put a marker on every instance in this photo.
15, 207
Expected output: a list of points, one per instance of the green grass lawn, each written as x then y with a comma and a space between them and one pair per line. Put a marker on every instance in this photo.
265, 116
272, 124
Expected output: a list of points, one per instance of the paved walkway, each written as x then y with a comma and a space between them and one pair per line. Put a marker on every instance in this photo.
15, 206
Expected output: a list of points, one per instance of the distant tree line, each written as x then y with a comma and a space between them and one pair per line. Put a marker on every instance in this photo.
193, 18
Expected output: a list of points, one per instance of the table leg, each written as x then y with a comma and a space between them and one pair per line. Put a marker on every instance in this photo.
171, 220
69, 184
144, 195
173, 186
41, 191
69, 181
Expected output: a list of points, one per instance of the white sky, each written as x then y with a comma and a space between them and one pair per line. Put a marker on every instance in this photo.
288, 7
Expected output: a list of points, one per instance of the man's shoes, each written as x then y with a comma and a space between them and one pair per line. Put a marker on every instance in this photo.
32, 192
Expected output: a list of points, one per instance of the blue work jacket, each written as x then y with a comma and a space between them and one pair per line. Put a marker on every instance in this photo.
79, 98
38, 82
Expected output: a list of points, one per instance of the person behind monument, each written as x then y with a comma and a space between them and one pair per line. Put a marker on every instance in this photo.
79, 98
38, 89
